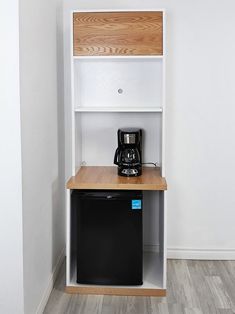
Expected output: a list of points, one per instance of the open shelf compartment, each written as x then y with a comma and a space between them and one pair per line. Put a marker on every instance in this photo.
96, 136
118, 83
154, 263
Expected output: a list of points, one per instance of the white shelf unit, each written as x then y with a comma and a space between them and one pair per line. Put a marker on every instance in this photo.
107, 93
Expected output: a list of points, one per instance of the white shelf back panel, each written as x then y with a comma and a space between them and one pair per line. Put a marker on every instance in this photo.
99, 136
151, 220
118, 83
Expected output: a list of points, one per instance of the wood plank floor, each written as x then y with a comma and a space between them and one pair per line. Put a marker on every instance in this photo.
194, 287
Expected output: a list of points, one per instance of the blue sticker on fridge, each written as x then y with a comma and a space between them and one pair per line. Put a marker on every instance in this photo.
136, 204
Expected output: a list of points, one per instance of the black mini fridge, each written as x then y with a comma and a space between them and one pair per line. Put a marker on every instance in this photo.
109, 236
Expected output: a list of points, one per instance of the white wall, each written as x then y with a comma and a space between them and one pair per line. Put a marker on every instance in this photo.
42, 145
200, 135
11, 240
200, 150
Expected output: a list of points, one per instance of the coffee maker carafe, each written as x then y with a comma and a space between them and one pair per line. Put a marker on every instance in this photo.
128, 154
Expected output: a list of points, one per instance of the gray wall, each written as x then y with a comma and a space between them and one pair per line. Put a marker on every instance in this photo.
11, 240
41, 83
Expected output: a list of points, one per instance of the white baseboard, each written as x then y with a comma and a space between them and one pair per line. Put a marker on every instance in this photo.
192, 253
51, 282
201, 254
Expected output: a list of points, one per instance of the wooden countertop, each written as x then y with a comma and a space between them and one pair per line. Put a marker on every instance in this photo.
105, 177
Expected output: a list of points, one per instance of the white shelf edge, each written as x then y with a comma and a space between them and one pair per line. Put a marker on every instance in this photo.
116, 57
118, 109
119, 10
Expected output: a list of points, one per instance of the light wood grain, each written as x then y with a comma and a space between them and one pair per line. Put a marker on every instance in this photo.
116, 291
188, 292
117, 33
106, 178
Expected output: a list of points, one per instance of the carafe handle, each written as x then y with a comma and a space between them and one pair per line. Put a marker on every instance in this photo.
116, 157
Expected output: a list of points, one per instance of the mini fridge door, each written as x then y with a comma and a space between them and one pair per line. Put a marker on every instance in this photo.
109, 237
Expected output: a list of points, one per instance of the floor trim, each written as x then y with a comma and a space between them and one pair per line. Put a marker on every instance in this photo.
201, 254
51, 282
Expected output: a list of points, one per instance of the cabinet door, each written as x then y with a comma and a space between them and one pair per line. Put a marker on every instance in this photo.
117, 33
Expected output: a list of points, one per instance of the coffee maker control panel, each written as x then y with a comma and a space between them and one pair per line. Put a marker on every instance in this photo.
130, 172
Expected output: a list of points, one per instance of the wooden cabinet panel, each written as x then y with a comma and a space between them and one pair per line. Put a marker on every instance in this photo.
117, 33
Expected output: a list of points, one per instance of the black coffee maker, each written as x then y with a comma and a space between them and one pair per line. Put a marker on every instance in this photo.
128, 154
